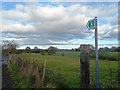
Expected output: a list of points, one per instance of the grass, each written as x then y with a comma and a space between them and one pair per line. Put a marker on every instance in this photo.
69, 68
59, 64
74, 54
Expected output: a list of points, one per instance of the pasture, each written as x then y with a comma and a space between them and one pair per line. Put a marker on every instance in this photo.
68, 66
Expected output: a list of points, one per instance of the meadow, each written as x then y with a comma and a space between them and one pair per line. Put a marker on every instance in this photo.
68, 66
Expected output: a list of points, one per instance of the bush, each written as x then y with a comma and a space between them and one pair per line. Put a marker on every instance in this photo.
92, 54
43, 53
56, 80
106, 55
63, 54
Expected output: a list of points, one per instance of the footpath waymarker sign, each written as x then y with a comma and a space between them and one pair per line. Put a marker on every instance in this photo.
92, 24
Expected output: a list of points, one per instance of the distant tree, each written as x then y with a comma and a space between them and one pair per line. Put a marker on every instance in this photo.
63, 54
43, 52
36, 49
92, 47
77, 49
119, 49
52, 50
9, 47
106, 49
20, 51
101, 49
92, 52
113, 48
46, 50
28, 49
72, 49
4, 48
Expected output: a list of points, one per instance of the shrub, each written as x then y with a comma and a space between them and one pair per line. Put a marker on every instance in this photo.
43, 53
63, 54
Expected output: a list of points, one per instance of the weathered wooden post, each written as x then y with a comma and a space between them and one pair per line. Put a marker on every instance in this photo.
44, 70
84, 66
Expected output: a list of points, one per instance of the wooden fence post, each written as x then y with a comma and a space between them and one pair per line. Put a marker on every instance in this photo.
84, 66
43, 77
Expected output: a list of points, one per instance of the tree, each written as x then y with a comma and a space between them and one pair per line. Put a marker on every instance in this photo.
43, 52
101, 49
52, 50
119, 49
36, 49
9, 47
77, 49
113, 48
4, 48
72, 49
92, 47
106, 49
92, 51
28, 49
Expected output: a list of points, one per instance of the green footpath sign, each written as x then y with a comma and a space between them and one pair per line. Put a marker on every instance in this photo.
91, 24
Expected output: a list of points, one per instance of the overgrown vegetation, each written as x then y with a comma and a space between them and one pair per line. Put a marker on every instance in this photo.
9, 47
28, 74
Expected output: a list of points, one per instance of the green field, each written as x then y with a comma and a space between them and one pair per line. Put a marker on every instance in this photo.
68, 66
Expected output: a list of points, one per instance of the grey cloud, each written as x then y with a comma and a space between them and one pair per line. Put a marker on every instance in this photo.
111, 34
44, 25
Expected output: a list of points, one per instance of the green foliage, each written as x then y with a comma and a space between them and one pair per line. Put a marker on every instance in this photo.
25, 75
106, 55
68, 67
36, 50
9, 47
56, 80
52, 50
92, 54
28, 49
43, 53
63, 54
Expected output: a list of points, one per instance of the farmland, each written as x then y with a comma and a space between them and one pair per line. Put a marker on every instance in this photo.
68, 66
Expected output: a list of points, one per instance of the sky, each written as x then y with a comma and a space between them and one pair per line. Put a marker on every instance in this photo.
59, 24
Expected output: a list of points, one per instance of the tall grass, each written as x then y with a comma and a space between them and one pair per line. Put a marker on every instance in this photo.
69, 68
28, 74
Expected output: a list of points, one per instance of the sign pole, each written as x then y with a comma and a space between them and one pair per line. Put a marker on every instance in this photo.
96, 53
92, 24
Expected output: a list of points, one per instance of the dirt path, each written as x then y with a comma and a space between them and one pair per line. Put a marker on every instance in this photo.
6, 81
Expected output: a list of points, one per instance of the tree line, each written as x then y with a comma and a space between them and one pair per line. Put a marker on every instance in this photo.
10, 47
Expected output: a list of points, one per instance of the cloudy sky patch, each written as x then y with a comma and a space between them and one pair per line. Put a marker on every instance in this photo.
47, 23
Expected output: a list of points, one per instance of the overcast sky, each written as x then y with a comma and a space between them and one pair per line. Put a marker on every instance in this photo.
59, 24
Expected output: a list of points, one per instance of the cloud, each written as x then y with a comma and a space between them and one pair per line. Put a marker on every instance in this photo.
108, 31
18, 28
36, 24
19, 6
14, 15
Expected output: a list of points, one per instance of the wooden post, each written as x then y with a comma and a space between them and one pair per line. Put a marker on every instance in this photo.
44, 70
84, 66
